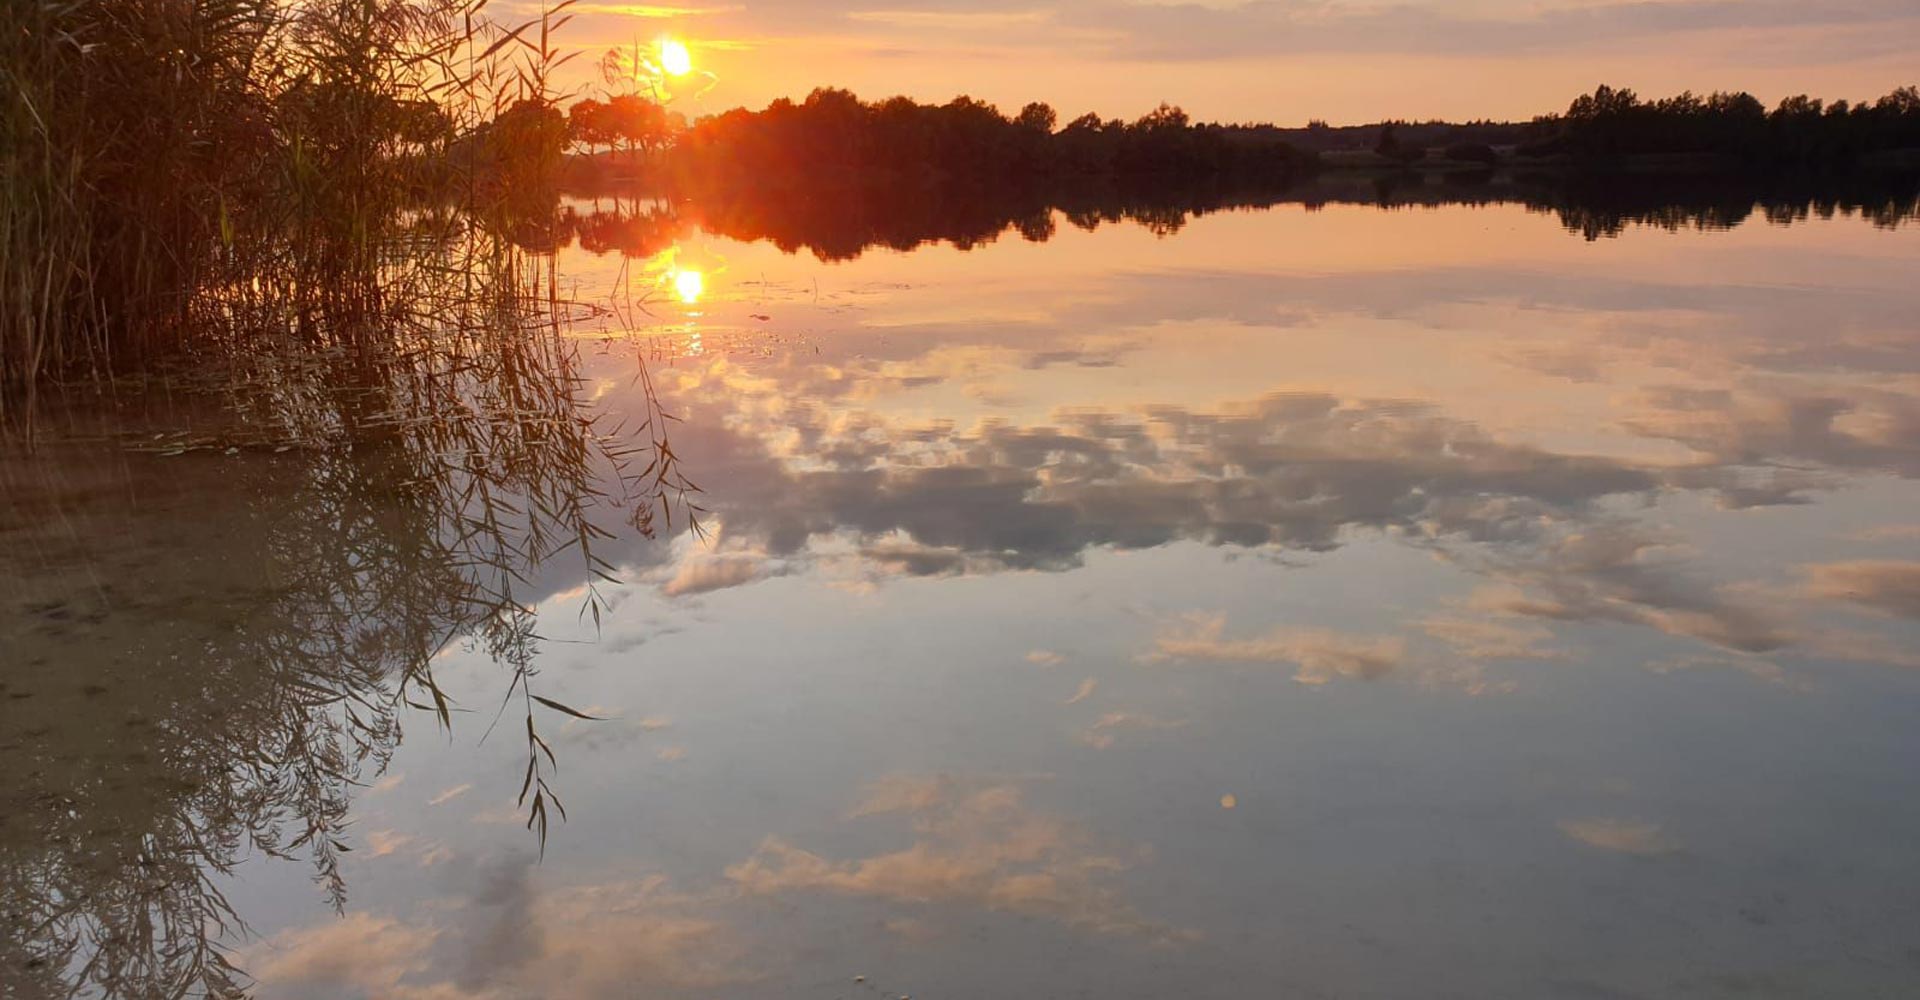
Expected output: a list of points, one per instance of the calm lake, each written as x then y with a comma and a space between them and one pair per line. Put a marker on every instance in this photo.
1303, 602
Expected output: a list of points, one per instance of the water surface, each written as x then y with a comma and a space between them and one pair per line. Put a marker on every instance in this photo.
1318, 602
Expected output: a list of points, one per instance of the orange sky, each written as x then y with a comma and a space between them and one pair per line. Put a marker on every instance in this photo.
1280, 60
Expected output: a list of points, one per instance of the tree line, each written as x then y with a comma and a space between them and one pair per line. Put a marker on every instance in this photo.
1613, 123
834, 136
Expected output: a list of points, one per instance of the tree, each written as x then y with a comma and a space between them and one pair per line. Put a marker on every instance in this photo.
638, 123
1604, 102
589, 124
1905, 101
1392, 148
1166, 117
1038, 117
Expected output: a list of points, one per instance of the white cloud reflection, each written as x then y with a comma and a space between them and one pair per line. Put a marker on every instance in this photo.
509, 941
976, 844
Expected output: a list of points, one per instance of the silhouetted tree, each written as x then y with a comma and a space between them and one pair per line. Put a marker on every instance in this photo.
639, 124
835, 138
1038, 117
589, 124
1734, 128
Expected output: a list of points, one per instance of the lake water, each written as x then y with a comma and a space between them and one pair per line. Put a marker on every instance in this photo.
1303, 603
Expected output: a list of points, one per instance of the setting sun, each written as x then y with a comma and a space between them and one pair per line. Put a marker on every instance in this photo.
675, 59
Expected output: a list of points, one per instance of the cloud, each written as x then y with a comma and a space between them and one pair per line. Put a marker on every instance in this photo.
1621, 835
1292, 469
642, 10
1618, 571
657, 11
975, 844
358, 955
921, 560
1863, 647
807, 477
907, 794
1318, 655
1178, 32
381, 843
1486, 639
1885, 586
450, 794
1753, 666
951, 20
704, 574
604, 734
1467, 678
509, 940
1866, 429
1105, 730
1273, 28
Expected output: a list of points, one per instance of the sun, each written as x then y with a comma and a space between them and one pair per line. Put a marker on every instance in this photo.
675, 59
690, 284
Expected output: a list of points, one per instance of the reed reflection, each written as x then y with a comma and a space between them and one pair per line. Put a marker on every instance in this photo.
225, 593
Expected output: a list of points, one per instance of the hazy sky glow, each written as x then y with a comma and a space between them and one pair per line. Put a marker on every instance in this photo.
1283, 60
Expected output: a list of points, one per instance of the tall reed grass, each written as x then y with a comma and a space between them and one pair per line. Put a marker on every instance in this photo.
167, 165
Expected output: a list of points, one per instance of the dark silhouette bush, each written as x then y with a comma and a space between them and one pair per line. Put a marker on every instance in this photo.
1473, 152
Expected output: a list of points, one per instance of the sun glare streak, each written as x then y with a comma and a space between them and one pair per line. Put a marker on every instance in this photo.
675, 58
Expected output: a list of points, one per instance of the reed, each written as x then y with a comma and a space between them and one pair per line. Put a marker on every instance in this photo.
159, 158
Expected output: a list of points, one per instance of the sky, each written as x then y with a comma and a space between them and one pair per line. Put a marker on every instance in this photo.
1285, 61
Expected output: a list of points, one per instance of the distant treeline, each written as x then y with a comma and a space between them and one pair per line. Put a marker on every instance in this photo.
834, 139
1613, 123
843, 224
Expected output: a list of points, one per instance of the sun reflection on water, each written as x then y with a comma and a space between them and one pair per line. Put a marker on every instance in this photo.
690, 285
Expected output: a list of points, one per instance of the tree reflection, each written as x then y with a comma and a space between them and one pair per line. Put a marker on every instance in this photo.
841, 223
